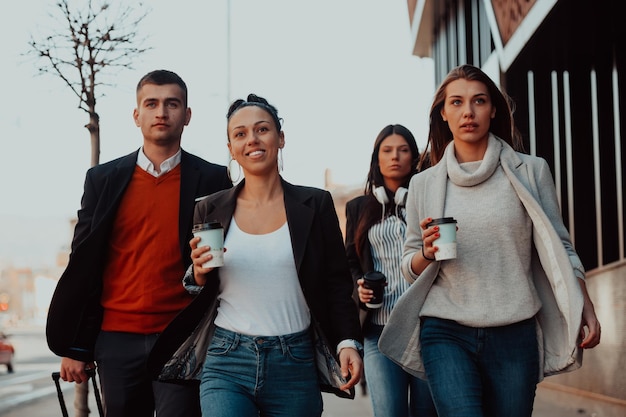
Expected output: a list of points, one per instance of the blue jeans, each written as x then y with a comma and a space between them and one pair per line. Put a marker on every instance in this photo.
474, 372
251, 376
393, 391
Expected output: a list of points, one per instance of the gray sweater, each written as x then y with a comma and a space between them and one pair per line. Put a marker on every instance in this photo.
490, 282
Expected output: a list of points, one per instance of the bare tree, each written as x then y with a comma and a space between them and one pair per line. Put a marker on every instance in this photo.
92, 45
95, 42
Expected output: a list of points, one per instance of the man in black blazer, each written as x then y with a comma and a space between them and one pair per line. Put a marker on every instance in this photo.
123, 284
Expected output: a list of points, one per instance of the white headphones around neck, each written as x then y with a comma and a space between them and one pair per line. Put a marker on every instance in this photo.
399, 198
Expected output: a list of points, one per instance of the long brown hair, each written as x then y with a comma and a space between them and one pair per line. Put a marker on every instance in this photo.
502, 125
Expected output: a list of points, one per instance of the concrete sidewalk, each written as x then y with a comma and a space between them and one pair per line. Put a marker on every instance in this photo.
549, 402
341, 407
554, 400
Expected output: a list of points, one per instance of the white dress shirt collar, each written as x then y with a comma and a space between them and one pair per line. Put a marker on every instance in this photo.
170, 163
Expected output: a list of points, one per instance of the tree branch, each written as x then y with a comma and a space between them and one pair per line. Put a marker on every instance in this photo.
96, 41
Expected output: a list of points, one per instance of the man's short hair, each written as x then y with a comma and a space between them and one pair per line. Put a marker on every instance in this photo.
162, 77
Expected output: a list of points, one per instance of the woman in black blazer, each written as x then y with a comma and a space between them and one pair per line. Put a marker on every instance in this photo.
285, 270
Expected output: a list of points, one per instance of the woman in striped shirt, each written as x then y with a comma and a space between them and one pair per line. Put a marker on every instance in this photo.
375, 231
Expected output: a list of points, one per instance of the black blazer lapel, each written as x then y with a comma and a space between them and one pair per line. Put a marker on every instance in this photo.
220, 209
299, 215
300, 218
113, 189
189, 179
118, 181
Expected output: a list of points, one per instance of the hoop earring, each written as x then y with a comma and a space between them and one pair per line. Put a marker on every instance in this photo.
280, 160
228, 171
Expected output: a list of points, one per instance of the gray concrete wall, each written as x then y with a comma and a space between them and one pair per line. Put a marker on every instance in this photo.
602, 373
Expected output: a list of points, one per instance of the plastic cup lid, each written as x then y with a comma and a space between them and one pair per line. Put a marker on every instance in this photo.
442, 220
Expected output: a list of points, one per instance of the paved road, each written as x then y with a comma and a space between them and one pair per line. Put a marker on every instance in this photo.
549, 403
30, 392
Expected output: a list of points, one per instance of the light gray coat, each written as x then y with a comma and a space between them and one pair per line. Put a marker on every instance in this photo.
556, 267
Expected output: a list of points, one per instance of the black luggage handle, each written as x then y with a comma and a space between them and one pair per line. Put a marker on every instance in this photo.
91, 373
55, 377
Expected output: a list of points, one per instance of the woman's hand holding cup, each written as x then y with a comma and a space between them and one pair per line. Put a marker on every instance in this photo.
429, 235
365, 294
200, 256
440, 234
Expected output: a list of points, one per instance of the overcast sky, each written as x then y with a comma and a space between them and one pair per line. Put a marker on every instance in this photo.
337, 70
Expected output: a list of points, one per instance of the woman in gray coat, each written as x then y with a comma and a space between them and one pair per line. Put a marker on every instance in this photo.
485, 327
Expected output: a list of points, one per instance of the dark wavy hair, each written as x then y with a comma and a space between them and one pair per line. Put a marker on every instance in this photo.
370, 215
502, 125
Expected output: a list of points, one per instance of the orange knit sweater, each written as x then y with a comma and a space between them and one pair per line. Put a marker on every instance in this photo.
142, 289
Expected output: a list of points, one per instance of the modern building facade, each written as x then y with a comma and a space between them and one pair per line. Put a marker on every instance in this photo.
563, 62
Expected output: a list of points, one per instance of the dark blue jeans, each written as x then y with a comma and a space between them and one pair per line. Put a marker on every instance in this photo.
476, 372
250, 376
393, 391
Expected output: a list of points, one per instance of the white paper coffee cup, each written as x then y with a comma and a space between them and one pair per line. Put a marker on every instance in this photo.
211, 234
447, 238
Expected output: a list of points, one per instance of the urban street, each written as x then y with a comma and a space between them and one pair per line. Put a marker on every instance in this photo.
30, 390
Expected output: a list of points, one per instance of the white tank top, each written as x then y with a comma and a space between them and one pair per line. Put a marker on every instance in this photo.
260, 294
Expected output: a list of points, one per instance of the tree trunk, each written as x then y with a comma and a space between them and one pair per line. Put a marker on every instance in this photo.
81, 391
94, 132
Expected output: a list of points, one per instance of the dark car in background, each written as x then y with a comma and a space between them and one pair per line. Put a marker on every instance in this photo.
6, 352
